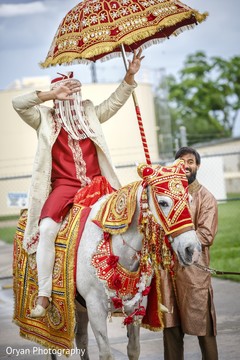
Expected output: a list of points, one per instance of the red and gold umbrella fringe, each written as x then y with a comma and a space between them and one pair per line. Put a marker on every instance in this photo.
72, 57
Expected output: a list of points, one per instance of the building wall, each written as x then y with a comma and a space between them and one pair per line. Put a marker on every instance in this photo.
229, 150
220, 146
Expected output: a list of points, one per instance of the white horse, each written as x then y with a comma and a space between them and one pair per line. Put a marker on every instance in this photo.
161, 198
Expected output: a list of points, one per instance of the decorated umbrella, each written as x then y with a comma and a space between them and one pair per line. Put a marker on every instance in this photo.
99, 29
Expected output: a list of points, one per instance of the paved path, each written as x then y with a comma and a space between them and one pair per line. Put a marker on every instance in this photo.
227, 302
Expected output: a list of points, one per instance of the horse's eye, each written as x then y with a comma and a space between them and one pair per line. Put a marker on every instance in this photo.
163, 203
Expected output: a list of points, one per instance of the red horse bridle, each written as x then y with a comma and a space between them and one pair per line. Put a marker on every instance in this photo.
170, 181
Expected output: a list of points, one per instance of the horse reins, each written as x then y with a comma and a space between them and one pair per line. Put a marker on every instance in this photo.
216, 272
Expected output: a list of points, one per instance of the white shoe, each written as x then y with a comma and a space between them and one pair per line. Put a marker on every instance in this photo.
39, 310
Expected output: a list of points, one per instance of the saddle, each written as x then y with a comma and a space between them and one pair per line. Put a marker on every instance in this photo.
56, 329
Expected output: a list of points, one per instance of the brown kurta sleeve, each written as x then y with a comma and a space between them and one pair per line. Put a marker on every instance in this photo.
205, 216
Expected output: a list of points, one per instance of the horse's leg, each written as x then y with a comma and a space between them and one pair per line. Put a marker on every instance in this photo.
97, 314
81, 335
133, 347
51, 356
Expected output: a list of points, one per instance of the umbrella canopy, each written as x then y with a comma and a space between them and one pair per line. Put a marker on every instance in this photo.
99, 29
96, 29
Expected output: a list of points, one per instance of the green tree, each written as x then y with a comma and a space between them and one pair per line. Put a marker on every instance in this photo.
206, 97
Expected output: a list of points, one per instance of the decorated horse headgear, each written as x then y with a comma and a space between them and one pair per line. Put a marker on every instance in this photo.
169, 181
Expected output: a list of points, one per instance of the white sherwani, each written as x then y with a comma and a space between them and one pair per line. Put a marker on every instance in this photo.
40, 118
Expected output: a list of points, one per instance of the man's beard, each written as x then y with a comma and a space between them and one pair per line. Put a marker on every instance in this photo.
192, 176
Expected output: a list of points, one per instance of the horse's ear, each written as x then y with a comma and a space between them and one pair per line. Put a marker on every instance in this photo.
144, 170
178, 161
179, 165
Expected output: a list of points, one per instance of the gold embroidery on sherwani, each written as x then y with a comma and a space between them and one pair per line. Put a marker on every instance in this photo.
80, 165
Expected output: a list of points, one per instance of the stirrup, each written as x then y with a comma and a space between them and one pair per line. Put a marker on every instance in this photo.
40, 311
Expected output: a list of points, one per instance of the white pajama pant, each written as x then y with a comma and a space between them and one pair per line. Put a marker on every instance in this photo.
45, 256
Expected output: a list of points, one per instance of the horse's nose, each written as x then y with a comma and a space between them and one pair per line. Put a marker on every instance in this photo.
192, 253
189, 252
196, 253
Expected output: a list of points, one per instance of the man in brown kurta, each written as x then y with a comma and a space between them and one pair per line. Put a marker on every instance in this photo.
193, 313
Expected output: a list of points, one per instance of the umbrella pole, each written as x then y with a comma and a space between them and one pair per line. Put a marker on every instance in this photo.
139, 117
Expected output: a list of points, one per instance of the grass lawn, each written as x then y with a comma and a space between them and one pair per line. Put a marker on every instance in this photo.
225, 252
7, 233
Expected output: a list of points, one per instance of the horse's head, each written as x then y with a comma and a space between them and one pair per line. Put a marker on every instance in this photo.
168, 201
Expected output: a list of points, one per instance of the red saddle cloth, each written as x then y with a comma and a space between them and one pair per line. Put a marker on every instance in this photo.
56, 329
